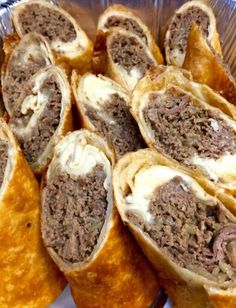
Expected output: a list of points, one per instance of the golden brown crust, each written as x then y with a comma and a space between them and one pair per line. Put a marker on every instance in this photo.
78, 59
10, 42
99, 60
163, 77
206, 67
121, 272
118, 273
185, 288
214, 36
120, 10
28, 276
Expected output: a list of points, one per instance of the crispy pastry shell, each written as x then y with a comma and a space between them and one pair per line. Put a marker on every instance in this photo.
186, 288
28, 276
213, 36
114, 70
162, 78
80, 58
65, 124
207, 67
116, 273
21, 50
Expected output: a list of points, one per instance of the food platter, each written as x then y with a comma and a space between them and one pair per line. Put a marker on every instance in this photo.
157, 16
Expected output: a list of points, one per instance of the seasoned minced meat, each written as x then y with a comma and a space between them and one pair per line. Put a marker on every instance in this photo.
127, 24
73, 213
116, 124
183, 129
195, 234
19, 75
3, 159
180, 27
129, 53
48, 22
35, 143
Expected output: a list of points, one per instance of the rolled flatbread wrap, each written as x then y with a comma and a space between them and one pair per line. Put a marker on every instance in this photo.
22, 60
28, 276
179, 27
104, 107
127, 57
189, 123
188, 234
119, 16
207, 66
42, 116
67, 39
82, 229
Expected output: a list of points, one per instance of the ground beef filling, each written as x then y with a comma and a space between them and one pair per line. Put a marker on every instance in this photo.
181, 26
183, 129
35, 143
196, 235
74, 213
48, 22
129, 53
3, 159
19, 74
127, 24
116, 124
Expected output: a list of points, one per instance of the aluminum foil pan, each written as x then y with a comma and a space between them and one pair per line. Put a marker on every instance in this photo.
156, 14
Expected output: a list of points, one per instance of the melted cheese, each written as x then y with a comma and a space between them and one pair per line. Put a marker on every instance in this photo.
222, 169
77, 157
35, 103
154, 177
97, 90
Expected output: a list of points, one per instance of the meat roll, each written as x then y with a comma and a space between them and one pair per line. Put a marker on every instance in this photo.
42, 115
207, 66
104, 107
28, 276
179, 27
186, 122
127, 58
118, 16
188, 234
66, 38
22, 60
83, 232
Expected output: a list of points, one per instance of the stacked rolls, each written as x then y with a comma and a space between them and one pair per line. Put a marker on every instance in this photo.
98, 183
82, 229
124, 47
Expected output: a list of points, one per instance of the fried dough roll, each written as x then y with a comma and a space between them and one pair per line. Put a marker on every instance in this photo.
28, 276
104, 107
189, 123
207, 67
83, 232
127, 58
67, 39
188, 234
178, 30
42, 116
118, 16
22, 61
